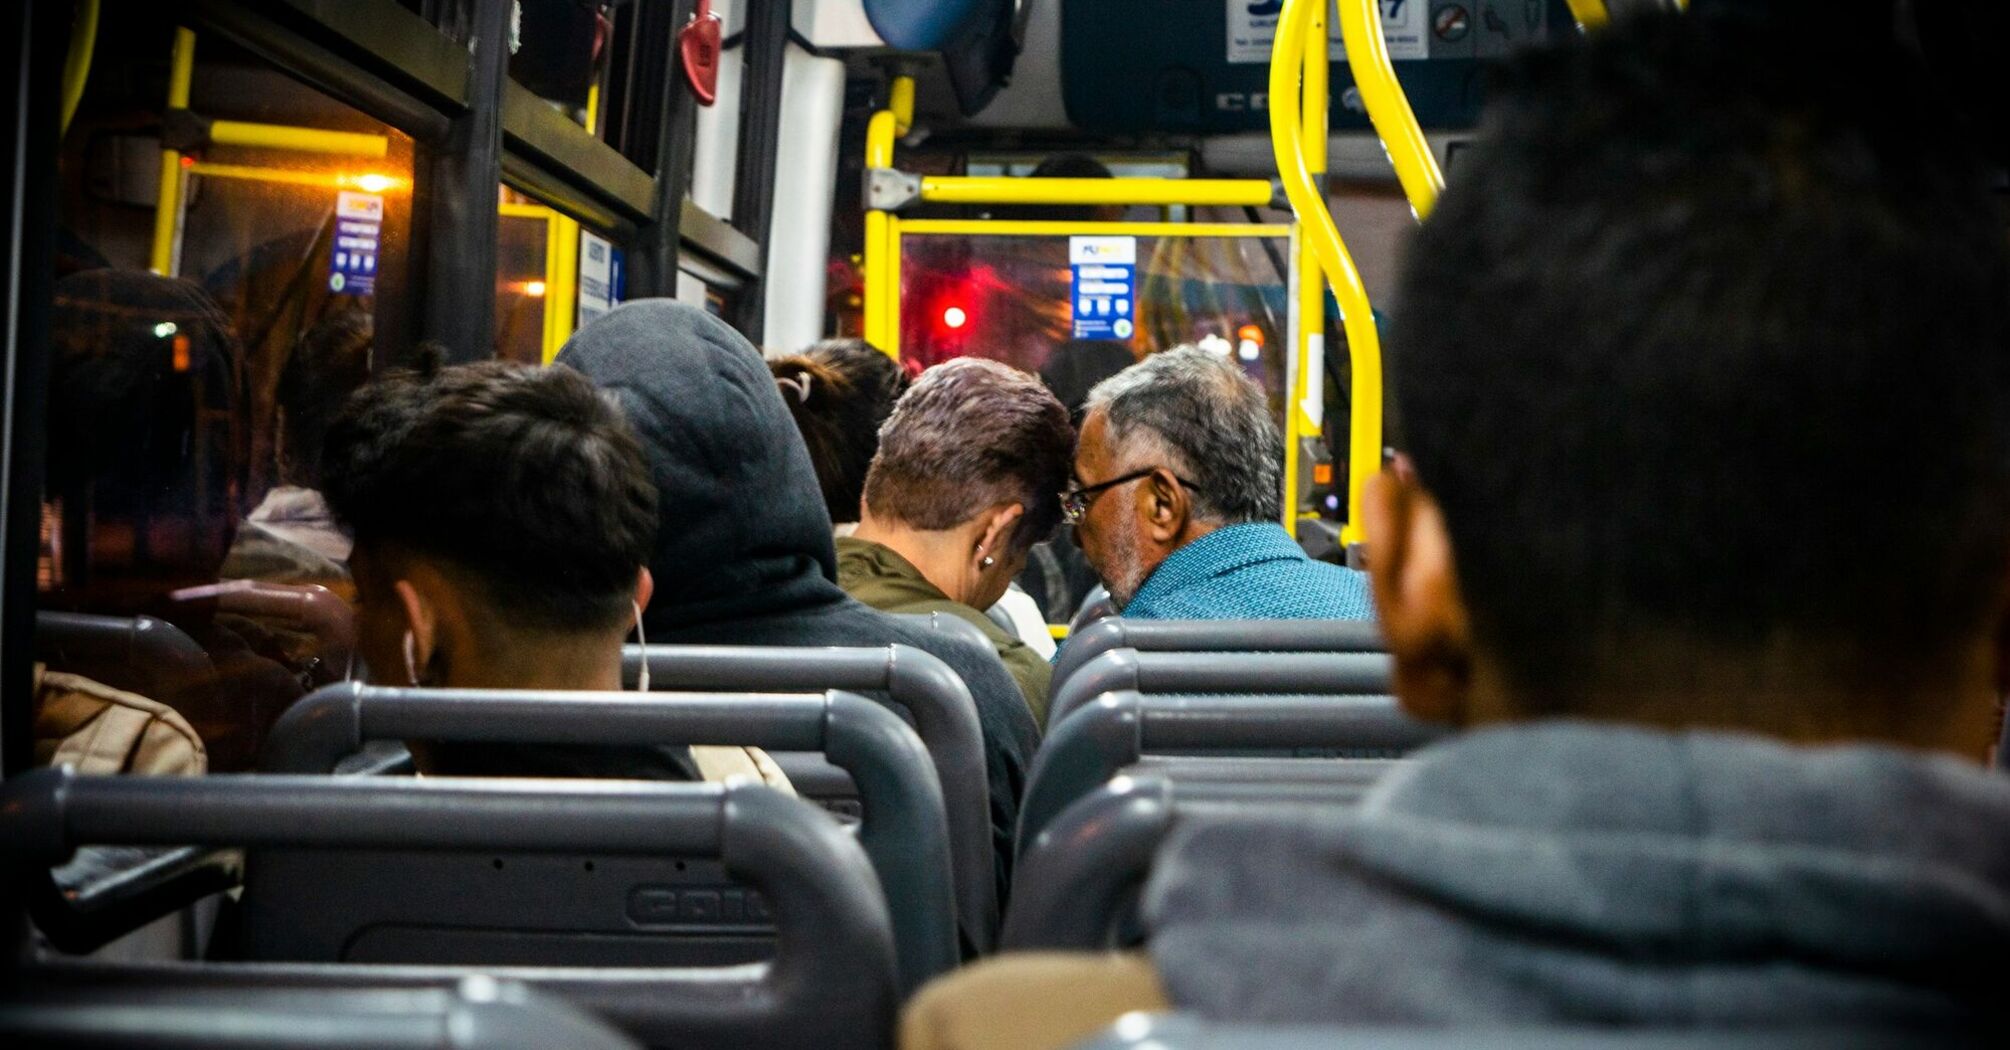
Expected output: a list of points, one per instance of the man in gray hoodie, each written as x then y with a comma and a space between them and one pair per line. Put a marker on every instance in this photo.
1703, 530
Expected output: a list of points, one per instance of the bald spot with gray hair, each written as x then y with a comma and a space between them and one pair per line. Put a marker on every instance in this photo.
968, 435
1196, 414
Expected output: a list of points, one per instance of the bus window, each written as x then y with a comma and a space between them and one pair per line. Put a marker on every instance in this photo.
1020, 298
234, 250
523, 278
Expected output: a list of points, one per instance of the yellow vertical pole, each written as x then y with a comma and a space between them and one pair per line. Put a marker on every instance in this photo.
882, 229
167, 203
1388, 108
1305, 415
1364, 345
561, 281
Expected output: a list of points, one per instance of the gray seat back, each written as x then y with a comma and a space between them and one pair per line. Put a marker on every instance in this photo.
429, 907
1213, 636
1181, 1032
1096, 605
1078, 881
832, 980
1338, 674
1117, 729
138, 654
932, 694
956, 628
477, 1014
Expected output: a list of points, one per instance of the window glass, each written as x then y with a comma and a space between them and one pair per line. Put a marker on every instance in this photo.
1017, 298
552, 275
523, 283
557, 50
215, 303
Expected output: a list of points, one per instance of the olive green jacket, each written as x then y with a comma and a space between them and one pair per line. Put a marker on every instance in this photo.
878, 576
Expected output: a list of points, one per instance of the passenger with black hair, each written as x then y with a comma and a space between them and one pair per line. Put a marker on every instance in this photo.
839, 392
967, 478
744, 552
503, 518
1177, 500
1698, 279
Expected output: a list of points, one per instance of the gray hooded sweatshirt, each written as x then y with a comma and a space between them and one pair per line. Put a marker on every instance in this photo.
1572, 873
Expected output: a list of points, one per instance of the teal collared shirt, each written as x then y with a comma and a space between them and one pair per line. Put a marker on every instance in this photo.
1252, 571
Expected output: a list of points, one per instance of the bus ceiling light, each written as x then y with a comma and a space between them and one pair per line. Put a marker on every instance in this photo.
955, 317
375, 183
534, 289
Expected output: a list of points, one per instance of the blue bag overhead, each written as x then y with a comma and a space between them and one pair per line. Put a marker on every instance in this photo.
1208, 67
977, 39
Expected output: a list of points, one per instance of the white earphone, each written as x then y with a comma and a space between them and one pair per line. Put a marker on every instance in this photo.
642, 643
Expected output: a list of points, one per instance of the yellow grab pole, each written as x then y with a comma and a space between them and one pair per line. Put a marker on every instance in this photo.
1388, 108
900, 100
298, 140
972, 189
561, 281
77, 62
1364, 345
1590, 14
1307, 413
167, 202
879, 135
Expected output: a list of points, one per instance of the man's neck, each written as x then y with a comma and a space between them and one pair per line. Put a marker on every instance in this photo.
938, 554
540, 662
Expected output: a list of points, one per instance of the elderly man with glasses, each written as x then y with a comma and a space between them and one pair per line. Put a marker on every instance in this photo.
1178, 497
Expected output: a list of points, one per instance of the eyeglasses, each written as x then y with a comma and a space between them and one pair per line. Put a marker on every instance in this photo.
1075, 502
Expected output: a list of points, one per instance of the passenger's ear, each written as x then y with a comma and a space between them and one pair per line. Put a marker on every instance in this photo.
645, 587
1417, 599
1164, 506
422, 619
997, 535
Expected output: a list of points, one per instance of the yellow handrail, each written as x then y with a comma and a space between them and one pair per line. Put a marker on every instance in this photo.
1305, 415
973, 189
77, 63
167, 202
1388, 108
297, 140
1590, 14
1364, 344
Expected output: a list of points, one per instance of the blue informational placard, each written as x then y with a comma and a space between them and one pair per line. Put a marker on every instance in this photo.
1103, 286
352, 260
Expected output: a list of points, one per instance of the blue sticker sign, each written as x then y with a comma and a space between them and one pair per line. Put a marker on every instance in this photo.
1103, 286
359, 224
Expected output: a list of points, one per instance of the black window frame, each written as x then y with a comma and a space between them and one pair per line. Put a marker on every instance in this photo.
473, 129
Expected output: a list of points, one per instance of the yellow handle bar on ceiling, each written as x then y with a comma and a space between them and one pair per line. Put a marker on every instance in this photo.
1388, 108
298, 140
970, 189
1364, 344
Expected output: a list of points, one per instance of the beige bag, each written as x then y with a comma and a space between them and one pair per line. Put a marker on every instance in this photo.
98, 729
719, 764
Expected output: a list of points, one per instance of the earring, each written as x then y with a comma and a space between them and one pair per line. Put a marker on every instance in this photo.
411, 658
988, 561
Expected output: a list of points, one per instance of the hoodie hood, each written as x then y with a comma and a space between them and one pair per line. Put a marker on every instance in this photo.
1572, 872
744, 530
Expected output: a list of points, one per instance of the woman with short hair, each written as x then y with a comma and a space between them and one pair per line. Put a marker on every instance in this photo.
967, 478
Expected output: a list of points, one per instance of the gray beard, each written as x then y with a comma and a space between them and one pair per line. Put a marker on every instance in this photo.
1126, 572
